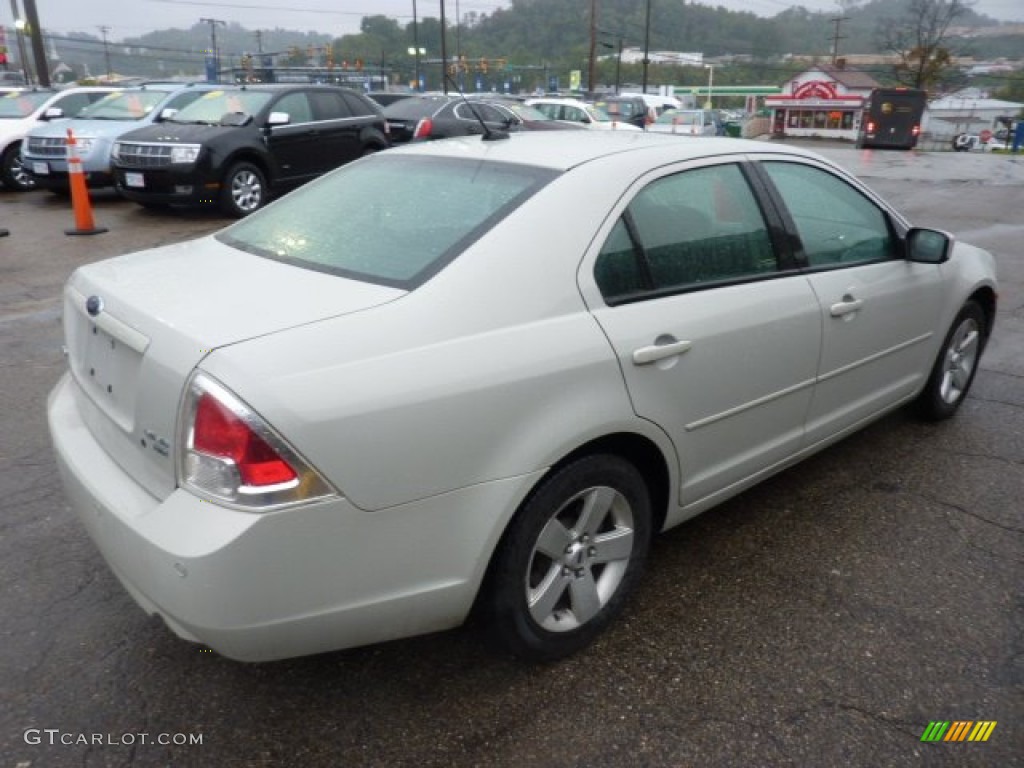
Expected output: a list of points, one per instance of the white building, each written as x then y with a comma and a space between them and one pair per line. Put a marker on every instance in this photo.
965, 112
824, 102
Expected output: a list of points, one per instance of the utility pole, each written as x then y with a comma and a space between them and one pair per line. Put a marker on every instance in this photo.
593, 45
259, 40
19, 33
416, 44
38, 49
836, 37
106, 50
647, 45
213, 46
444, 52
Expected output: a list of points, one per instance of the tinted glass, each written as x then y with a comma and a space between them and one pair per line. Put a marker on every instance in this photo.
836, 223
359, 106
394, 220
414, 108
328, 105
691, 228
296, 105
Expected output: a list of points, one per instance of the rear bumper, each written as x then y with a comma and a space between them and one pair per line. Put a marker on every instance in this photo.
261, 587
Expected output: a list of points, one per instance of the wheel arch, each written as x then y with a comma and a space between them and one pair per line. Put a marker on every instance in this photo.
985, 297
639, 450
246, 155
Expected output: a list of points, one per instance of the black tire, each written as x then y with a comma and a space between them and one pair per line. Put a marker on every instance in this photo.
12, 173
953, 373
244, 190
571, 555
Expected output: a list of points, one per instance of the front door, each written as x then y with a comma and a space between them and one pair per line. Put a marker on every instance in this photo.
878, 311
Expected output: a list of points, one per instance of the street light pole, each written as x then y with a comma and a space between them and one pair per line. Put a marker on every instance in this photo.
711, 78
106, 50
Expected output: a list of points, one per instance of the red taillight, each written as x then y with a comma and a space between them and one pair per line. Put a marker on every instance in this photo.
871, 127
423, 128
916, 130
220, 433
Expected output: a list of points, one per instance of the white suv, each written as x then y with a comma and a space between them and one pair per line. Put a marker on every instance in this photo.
22, 109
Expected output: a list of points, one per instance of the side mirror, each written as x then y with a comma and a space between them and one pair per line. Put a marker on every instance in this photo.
53, 113
928, 246
279, 118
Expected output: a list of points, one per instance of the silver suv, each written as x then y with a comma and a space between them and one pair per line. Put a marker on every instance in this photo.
96, 128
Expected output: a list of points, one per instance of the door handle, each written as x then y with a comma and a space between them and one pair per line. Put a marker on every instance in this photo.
846, 306
656, 352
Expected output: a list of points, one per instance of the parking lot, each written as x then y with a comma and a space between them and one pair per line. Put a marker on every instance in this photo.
824, 618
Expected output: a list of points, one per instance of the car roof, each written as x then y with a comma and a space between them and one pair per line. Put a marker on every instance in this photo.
559, 100
562, 151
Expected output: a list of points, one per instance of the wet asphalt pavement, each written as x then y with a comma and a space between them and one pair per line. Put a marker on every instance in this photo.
822, 619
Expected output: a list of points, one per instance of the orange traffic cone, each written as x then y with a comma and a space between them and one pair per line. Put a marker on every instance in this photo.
84, 224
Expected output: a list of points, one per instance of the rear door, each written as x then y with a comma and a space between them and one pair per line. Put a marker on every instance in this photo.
337, 129
716, 336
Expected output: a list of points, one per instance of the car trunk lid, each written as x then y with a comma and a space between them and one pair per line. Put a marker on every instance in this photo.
137, 326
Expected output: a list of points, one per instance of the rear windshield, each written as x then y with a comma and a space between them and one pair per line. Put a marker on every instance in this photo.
414, 108
391, 219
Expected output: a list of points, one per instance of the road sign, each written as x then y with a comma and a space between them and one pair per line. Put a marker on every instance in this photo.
985, 136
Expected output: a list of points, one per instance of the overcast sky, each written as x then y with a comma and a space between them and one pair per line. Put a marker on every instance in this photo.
129, 18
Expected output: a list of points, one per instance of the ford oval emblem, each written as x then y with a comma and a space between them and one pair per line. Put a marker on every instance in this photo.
94, 305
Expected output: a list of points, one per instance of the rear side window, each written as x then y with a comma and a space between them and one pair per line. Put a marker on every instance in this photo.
329, 106
359, 106
684, 231
393, 220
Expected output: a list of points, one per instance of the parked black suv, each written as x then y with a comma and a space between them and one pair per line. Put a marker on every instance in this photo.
235, 146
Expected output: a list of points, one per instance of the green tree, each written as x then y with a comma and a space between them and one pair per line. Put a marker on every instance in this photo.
918, 39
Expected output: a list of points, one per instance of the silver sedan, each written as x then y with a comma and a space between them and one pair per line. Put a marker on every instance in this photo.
480, 375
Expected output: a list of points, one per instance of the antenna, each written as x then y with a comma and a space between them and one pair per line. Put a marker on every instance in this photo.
489, 133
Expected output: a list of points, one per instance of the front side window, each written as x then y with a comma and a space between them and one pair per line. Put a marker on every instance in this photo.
296, 106
685, 231
390, 220
837, 224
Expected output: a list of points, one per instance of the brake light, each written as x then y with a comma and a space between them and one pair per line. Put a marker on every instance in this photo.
916, 130
871, 126
231, 455
219, 433
423, 128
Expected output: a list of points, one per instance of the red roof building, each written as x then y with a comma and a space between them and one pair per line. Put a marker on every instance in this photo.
824, 101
